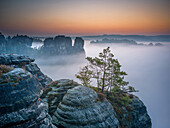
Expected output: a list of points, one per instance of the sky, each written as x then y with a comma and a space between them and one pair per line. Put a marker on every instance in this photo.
84, 17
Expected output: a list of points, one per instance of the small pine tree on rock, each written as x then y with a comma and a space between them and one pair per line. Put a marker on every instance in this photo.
105, 69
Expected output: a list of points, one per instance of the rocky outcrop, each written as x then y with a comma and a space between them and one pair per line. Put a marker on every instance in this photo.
55, 92
62, 45
35, 70
79, 44
134, 115
20, 104
26, 63
13, 59
49, 42
80, 108
29, 99
20, 44
116, 41
22, 39
150, 44
59, 45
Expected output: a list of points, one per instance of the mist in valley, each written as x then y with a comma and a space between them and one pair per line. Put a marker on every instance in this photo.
148, 69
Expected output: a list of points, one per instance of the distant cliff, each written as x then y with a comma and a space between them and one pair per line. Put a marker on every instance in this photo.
143, 38
31, 99
123, 41
60, 45
105, 40
18, 44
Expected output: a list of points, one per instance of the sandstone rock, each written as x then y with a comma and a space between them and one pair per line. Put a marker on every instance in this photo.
79, 44
35, 70
49, 42
25, 62
64, 110
21, 44
55, 91
135, 115
62, 45
22, 39
80, 108
20, 104
70, 104
13, 59
14, 84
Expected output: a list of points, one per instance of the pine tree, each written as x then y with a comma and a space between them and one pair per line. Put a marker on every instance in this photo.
85, 76
106, 70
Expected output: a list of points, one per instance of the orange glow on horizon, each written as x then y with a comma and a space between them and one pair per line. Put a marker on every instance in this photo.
93, 18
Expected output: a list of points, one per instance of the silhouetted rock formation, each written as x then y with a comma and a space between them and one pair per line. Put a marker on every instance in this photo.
25, 62
20, 106
22, 39
123, 41
141, 38
81, 109
105, 40
158, 44
61, 45
79, 44
19, 45
150, 44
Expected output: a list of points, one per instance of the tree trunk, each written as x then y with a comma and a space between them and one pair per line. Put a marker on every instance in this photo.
103, 81
102, 89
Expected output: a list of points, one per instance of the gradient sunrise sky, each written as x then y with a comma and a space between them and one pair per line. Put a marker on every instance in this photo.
84, 17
